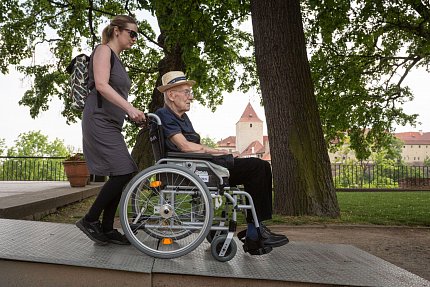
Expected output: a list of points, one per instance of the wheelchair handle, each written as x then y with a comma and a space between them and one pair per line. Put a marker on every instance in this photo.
154, 117
144, 123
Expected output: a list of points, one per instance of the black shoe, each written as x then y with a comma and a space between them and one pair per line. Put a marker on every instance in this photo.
269, 238
256, 247
274, 241
114, 236
93, 230
265, 230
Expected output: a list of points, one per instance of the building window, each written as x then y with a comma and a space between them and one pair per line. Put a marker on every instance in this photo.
412, 146
419, 146
250, 125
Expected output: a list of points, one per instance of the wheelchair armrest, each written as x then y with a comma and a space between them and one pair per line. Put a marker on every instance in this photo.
189, 155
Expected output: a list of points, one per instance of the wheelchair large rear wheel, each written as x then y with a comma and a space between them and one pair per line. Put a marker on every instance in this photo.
166, 211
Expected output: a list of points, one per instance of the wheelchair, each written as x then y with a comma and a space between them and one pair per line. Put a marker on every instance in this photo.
169, 209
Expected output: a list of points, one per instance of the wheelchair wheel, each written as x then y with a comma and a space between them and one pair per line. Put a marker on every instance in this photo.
217, 245
142, 203
166, 211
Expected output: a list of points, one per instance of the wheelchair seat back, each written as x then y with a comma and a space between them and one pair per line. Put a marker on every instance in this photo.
156, 137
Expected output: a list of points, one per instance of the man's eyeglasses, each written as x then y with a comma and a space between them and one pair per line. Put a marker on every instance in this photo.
188, 93
133, 34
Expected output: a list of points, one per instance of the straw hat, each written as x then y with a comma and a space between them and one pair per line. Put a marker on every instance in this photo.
173, 79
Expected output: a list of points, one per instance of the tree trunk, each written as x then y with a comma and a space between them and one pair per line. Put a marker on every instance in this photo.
303, 182
172, 61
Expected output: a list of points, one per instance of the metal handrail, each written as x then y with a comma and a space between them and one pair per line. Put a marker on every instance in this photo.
31, 168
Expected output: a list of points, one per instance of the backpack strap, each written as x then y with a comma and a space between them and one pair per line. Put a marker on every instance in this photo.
99, 96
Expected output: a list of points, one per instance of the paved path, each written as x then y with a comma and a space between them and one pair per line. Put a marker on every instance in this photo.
8, 188
34, 199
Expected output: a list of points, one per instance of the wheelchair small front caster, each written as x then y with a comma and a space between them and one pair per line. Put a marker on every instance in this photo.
216, 246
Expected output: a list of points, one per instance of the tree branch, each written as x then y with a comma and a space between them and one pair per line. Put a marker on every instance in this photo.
90, 22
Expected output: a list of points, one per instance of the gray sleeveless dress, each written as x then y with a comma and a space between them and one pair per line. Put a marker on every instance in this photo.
103, 143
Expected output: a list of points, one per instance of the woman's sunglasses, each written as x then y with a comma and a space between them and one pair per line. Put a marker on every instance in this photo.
133, 34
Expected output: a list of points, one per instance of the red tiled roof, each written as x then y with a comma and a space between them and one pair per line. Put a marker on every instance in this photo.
258, 148
227, 142
249, 115
414, 137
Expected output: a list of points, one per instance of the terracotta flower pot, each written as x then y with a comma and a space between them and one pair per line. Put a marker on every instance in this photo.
77, 172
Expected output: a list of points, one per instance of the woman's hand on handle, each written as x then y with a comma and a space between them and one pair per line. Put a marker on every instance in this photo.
136, 115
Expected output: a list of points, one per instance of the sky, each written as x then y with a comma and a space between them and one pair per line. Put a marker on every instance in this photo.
15, 119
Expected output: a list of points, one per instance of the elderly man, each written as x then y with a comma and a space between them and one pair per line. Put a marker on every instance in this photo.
255, 174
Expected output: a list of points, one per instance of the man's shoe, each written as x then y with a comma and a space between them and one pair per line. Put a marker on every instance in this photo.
256, 247
93, 230
268, 238
265, 230
274, 241
114, 236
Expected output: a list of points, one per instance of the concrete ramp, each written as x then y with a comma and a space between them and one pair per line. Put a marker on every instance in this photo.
52, 254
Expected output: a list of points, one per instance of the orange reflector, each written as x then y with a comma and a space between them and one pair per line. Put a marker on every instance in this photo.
156, 183
167, 241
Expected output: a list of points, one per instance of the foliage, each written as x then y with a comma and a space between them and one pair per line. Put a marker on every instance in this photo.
377, 175
204, 32
390, 153
34, 143
384, 168
75, 157
2, 146
427, 161
361, 52
368, 176
209, 142
30, 158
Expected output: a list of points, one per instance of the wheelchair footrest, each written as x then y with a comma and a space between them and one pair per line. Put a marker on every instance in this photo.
258, 251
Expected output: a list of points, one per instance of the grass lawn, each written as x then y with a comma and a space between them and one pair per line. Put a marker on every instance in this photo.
381, 208
385, 208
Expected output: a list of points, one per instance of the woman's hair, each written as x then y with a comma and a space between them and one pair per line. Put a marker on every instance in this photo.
119, 21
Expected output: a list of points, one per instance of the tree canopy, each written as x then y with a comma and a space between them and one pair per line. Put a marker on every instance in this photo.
34, 143
361, 52
202, 37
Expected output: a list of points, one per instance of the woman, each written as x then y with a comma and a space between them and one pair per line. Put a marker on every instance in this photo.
103, 144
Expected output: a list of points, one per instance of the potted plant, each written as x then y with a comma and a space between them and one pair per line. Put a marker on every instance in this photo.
76, 170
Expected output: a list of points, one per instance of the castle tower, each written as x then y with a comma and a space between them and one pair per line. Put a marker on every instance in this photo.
249, 128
